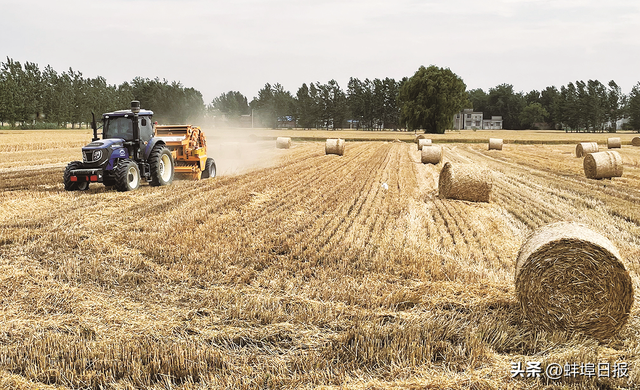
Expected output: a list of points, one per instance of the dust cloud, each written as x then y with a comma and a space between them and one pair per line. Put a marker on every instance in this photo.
238, 151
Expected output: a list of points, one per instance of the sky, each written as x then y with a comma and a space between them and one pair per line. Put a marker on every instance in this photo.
220, 46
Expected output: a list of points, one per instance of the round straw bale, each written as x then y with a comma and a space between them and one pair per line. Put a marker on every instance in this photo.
495, 143
431, 154
283, 142
334, 146
614, 143
422, 142
569, 277
584, 148
419, 137
602, 165
465, 182
635, 141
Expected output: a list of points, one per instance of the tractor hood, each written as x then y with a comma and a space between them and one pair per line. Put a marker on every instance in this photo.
99, 153
104, 143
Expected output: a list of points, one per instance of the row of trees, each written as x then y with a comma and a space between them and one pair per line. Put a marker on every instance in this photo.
377, 104
33, 97
427, 100
590, 106
368, 104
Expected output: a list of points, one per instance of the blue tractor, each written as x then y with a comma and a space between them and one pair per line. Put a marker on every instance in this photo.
127, 154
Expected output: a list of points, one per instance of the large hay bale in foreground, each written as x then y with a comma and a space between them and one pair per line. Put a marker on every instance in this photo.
569, 277
422, 142
283, 142
465, 182
495, 143
635, 141
431, 154
602, 165
584, 148
614, 143
334, 146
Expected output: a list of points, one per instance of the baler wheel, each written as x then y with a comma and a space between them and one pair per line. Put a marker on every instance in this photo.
209, 169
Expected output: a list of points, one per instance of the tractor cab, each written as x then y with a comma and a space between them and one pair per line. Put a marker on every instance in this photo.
119, 124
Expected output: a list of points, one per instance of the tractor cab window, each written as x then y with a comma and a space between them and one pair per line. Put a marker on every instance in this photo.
118, 127
146, 128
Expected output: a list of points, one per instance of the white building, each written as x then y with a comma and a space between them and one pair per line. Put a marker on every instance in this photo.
495, 123
469, 119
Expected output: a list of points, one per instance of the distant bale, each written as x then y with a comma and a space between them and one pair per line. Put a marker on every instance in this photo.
584, 148
602, 165
635, 141
283, 142
614, 143
334, 146
495, 143
431, 154
571, 278
253, 138
465, 182
422, 142
421, 136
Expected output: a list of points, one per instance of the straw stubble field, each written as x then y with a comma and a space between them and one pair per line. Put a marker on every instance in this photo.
302, 274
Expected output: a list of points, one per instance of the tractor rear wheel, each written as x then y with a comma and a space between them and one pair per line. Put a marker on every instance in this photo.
161, 166
73, 185
209, 169
127, 175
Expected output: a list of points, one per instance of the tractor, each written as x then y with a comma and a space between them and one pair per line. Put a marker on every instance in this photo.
132, 149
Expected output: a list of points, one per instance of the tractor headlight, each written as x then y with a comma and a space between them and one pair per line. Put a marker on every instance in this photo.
97, 155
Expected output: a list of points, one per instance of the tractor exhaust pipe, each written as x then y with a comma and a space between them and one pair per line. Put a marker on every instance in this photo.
94, 126
135, 109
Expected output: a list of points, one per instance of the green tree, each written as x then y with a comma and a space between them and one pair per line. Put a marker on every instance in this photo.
532, 97
391, 110
595, 105
356, 100
505, 102
332, 102
274, 104
633, 107
430, 98
550, 100
616, 101
307, 106
10, 91
569, 107
479, 101
232, 103
533, 113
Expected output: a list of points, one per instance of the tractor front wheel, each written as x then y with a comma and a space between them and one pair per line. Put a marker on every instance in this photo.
209, 169
73, 185
127, 175
161, 166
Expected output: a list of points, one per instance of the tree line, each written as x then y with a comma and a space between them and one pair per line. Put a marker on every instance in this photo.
366, 104
579, 106
35, 98
406, 104
31, 97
